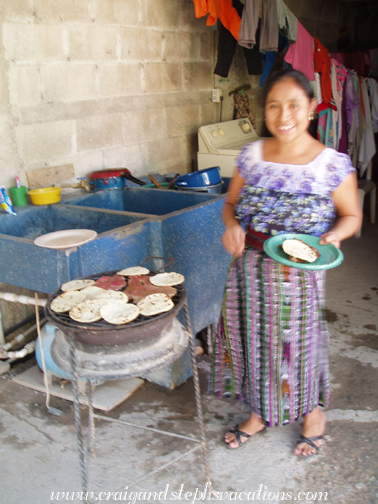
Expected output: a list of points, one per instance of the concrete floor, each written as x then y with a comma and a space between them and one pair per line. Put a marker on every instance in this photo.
38, 452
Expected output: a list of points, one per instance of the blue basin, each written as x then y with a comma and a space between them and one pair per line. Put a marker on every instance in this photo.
141, 200
133, 224
33, 221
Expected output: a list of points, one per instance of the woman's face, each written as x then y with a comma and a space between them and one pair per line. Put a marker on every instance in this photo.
287, 109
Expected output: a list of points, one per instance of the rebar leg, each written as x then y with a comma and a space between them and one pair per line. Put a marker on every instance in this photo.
91, 423
76, 404
197, 392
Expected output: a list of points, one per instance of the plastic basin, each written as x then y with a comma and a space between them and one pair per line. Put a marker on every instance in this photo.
45, 196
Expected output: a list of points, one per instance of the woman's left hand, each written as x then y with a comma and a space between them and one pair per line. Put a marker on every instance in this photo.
330, 237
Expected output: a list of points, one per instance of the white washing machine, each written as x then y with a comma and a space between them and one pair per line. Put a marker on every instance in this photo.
219, 144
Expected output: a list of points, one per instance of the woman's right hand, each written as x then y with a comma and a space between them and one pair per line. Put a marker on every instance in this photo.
234, 240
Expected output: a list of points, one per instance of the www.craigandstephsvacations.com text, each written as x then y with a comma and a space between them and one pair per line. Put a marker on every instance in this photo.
189, 496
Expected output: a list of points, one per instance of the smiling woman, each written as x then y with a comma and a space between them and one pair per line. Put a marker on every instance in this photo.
271, 349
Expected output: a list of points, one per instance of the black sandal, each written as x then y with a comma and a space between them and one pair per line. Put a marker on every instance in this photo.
309, 441
239, 433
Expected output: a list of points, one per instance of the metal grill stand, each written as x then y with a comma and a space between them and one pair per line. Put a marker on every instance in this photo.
86, 451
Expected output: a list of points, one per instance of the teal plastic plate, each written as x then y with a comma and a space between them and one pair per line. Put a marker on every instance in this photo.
330, 256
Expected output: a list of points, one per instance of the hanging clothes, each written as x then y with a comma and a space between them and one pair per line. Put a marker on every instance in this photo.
269, 26
343, 142
338, 75
373, 91
271, 57
219, 9
351, 105
249, 24
367, 146
300, 54
323, 66
287, 22
227, 47
318, 88
361, 121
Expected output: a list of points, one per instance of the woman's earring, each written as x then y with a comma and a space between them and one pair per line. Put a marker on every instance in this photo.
311, 116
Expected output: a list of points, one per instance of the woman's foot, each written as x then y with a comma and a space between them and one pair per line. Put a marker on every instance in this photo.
252, 425
313, 426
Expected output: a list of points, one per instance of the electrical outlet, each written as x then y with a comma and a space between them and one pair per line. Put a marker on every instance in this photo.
216, 94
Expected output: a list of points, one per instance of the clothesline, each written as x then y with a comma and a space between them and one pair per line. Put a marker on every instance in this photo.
347, 100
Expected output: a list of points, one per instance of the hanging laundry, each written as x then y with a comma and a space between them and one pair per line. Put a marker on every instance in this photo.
273, 60
249, 23
300, 54
227, 47
287, 22
338, 75
323, 66
269, 26
343, 142
318, 92
219, 9
361, 121
367, 147
373, 91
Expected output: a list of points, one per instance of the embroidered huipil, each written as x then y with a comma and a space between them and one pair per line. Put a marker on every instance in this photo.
271, 347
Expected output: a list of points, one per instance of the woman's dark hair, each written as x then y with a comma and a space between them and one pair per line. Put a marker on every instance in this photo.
287, 73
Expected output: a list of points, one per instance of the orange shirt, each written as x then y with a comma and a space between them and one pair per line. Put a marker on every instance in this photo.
221, 9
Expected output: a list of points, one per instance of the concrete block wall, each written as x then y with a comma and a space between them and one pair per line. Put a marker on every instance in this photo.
103, 84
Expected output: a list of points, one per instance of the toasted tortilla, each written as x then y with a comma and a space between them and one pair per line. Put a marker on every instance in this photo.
66, 301
92, 291
154, 304
77, 284
109, 295
87, 311
134, 270
299, 251
167, 279
119, 312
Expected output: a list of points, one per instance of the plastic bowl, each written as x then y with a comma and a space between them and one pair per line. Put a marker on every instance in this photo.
45, 196
200, 178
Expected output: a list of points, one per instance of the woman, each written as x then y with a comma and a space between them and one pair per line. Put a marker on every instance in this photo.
271, 349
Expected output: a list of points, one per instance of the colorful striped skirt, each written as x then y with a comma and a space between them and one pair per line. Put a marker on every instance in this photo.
271, 347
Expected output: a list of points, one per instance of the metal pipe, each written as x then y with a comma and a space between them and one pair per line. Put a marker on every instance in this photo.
15, 298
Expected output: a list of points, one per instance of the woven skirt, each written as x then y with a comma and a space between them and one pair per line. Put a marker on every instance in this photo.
271, 346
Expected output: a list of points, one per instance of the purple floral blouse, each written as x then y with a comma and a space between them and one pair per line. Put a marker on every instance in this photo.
278, 198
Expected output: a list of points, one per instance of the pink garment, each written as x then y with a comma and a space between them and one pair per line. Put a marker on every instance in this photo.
301, 54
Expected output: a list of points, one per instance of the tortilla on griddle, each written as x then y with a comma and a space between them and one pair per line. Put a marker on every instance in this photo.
167, 279
119, 312
73, 285
109, 295
92, 292
87, 311
154, 304
66, 301
134, 270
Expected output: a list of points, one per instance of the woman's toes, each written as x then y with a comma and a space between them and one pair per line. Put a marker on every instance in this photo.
231, 441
